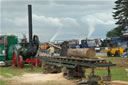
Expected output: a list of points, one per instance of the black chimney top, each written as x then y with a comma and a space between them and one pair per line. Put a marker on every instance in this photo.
30, 22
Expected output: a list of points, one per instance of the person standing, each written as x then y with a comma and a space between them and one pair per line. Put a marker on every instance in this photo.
51, 50
64, 48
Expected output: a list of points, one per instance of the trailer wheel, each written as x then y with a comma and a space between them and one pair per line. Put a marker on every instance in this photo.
20, 61
14, 59
109, 54
117, 54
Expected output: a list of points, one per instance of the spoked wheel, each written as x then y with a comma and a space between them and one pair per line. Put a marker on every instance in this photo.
20, 61
14, 59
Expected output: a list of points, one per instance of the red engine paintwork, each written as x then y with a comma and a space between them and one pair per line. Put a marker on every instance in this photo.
34, 61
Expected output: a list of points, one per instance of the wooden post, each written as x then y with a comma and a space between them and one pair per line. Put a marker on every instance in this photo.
93, 71
109, 72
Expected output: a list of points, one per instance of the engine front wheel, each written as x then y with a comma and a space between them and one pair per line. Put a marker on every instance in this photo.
20, 61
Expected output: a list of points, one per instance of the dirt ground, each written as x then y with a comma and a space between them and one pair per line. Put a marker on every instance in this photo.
39, 79
46, 79
119, 83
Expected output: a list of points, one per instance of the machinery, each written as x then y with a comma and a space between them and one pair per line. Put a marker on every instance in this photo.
117, 52
90, 43
74, 43
75, 68
44, 46
25, 51
7, 44
116, 47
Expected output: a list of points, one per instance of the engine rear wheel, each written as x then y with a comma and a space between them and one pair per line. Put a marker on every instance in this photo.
20, 61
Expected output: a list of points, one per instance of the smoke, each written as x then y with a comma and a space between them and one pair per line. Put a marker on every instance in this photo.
91, 29
56, 34
91, 24
68, 23
95, 19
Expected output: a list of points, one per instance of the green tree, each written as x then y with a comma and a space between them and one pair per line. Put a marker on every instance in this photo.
121, 15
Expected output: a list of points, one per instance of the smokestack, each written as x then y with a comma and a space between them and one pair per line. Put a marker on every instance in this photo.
30, 22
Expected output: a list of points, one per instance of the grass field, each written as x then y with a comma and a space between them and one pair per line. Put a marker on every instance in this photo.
8, 72
118, 72
2, 82
121, 62
14, 71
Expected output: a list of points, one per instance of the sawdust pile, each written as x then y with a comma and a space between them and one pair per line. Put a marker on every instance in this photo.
39, 79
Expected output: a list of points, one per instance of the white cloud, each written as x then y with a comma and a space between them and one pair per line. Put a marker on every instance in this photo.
98, 18
51, 15
20, 21
46, 20
57, 25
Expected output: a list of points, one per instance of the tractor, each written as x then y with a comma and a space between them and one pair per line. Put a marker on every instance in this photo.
116, 47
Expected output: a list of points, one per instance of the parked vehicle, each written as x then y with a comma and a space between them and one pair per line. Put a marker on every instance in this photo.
90, 43
116, 47
7, 44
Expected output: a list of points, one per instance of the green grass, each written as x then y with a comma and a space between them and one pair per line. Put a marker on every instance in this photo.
117, 73
2, 82
27, 68
15, 71
121, 62
6, 72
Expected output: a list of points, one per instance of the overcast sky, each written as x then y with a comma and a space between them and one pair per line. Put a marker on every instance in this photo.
58, 19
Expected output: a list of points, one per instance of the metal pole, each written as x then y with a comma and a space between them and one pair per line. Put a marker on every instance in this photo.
30, 22
6, 49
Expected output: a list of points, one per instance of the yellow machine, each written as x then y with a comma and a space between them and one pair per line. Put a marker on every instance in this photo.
114, 51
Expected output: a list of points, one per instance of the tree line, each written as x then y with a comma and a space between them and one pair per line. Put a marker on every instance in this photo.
120, 14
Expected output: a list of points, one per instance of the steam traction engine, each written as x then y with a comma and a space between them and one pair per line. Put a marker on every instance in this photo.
25, 51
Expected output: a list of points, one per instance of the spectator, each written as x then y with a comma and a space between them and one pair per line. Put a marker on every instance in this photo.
51, 50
